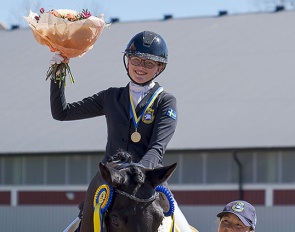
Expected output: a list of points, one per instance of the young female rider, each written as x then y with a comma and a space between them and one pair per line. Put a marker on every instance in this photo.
141, 117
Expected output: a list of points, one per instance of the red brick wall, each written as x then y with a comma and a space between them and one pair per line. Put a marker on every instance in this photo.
218, 197
185, 197
5, 198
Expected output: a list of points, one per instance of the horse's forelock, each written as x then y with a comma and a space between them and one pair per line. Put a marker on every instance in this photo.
138, 174
133, 169
123, 160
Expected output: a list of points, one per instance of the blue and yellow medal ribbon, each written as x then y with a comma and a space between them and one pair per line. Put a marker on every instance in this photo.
136, 119
97, 218
102, 200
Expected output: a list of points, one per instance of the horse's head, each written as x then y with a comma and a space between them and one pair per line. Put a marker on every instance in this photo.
135, 205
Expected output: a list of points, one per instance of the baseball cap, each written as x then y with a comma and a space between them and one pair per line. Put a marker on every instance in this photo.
243, 210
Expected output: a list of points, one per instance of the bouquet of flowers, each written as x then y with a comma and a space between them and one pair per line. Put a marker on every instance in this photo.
66, 31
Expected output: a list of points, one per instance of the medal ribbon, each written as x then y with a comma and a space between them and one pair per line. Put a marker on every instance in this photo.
97, 218
172, 225
102, 200
136, 119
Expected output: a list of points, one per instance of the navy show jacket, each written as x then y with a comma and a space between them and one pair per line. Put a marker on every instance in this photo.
114, 103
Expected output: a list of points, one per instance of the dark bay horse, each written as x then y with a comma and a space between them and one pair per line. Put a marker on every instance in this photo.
132, 203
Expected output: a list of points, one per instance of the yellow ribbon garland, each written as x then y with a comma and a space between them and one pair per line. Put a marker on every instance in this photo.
172, 224
97, 218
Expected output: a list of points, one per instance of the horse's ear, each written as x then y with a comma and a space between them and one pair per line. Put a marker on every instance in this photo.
105, 173
159, 175
110, 175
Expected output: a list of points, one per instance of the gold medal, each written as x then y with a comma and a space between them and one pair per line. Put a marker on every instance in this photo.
135, 137
149, 116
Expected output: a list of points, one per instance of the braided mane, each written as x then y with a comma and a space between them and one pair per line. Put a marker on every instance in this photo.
124, 160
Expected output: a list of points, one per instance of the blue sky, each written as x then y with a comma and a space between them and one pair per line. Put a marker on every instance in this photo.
11, 11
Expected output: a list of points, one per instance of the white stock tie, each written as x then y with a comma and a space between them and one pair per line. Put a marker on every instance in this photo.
138, 92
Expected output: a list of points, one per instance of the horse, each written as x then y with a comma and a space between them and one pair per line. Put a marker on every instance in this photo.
123, 197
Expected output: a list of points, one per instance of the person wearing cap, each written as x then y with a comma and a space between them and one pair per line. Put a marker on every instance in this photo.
141, 117
237, 216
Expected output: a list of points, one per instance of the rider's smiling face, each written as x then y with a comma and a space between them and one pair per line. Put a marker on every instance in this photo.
143, 70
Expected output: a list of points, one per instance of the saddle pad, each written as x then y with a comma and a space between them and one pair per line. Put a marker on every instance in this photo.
167, 223
73, 226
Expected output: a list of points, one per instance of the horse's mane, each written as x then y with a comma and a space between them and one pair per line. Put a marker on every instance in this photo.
124, 159
121, 156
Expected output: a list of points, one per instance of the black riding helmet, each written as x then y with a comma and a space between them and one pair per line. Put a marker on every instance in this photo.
148, 45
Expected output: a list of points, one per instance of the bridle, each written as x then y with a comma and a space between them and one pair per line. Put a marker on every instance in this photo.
132, 196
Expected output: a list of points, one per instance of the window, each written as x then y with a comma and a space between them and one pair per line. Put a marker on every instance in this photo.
12, 171
33, 170
192, 168
221, 168
77, 169
247, 162
288, 167
55, 170
267, 167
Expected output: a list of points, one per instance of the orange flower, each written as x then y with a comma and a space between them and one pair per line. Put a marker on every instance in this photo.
55, 13
71, 17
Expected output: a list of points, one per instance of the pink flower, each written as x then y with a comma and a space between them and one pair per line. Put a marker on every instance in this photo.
85, 14
42, 10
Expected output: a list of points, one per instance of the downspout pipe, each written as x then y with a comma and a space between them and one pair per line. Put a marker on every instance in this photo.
240, 169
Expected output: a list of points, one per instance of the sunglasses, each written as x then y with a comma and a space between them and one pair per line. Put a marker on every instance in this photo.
136, 61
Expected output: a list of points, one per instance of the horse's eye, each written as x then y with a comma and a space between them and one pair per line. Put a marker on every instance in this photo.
114, 221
